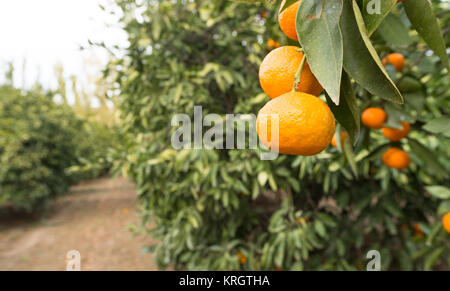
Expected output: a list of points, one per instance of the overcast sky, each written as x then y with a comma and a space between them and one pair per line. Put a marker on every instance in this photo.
45, 32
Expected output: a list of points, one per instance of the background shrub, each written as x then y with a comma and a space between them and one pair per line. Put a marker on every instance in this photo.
39, 141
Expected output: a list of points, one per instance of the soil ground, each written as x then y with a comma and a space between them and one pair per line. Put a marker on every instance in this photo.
93, 218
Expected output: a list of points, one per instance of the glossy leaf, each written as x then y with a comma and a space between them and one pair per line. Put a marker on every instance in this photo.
347, 113
348, 151
361, 61
394, 31
374, 13
425, 22
428, 158
440, 192
321, 39
439, 125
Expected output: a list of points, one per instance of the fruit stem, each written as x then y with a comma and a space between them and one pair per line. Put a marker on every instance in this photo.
299, 74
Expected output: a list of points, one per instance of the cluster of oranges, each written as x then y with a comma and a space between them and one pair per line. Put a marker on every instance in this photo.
305, 122
375, 118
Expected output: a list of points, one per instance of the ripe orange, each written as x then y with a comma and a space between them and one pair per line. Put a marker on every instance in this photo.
263, 14
242, 258
343, 138
272, 44
446, 222
301, 220
394, 134
286, 19
418, 229
396, 158
305, 124
278, 69
373, 117
395, 59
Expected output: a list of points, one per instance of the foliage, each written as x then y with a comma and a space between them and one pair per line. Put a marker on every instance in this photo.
315, 213
94, 141
39, 141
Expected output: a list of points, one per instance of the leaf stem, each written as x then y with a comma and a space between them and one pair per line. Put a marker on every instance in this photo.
298, 75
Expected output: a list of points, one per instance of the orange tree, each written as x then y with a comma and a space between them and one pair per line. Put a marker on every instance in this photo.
45, 147
227, 208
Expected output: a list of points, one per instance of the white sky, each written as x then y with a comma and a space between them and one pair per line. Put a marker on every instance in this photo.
47, 32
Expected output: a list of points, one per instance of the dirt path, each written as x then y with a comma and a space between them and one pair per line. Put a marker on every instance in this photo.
93, 219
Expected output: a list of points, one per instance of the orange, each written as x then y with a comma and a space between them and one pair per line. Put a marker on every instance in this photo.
394, 134
286, 19
272, 44
263, 14
446, 222
395, 59
278, 69
301, 220
343, 138
242, 258
396, 158
418, 229
373, 117
305, 124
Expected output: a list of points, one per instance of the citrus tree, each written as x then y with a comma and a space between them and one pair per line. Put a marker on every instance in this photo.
322, 66
45, 147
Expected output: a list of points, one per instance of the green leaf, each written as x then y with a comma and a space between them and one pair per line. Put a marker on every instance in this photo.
422, 17
439, 125
377, 152
431, 259
321, 39
394, 31
409, 85
428, 158
434, 231
320, 228
285, 4
348, 151
440, 192
444, 207
361, 61
347, 113
374, 18
262, 178
396, 116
